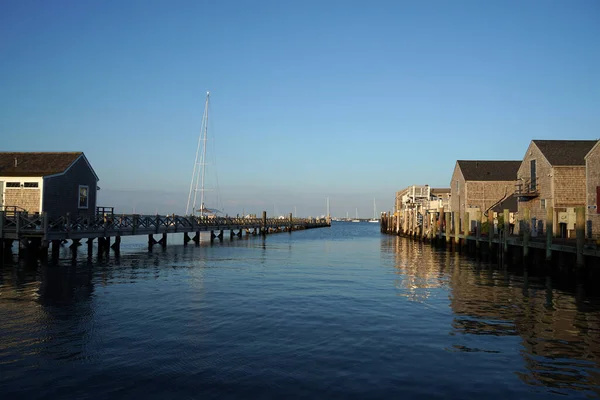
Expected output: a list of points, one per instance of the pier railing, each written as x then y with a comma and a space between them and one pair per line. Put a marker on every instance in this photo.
19, 225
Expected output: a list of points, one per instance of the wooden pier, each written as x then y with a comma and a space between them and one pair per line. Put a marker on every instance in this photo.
38, 232
501, 243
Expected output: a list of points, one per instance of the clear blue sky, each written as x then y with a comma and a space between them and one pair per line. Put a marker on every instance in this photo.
347, 99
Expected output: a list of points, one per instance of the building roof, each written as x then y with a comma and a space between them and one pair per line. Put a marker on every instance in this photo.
36, 163
565, 152
485, 170
440, 190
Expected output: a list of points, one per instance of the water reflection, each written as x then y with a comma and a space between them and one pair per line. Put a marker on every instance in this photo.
559, 330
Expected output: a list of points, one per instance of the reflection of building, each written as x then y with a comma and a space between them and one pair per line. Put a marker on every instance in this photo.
55, 183
555, 332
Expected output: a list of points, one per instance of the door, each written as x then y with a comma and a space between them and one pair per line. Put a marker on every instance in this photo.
533, 175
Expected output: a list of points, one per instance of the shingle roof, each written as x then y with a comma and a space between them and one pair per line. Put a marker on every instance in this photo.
565, 152
35, 164
485, 170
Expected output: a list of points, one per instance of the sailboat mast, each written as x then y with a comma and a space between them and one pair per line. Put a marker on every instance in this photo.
199, 162
204, 154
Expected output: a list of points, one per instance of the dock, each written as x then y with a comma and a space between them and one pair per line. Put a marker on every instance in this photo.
499, 242
37, 232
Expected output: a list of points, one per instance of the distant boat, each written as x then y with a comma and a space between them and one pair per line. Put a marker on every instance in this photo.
375, 220
356, 220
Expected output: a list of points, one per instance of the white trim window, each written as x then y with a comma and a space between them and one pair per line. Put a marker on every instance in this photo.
83, 195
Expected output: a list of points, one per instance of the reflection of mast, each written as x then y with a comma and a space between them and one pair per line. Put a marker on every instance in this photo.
199, 172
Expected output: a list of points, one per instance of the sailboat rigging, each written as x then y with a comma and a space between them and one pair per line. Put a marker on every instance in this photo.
199, 172
374, 219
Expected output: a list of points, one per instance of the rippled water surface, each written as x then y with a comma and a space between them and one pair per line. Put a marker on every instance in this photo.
340, 312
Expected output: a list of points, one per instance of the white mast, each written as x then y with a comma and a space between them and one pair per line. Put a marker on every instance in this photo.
199, 171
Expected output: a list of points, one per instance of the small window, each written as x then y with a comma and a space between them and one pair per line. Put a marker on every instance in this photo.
30, 184
13, 184
543, 203
83, 196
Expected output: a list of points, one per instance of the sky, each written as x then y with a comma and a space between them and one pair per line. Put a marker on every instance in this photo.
339, 99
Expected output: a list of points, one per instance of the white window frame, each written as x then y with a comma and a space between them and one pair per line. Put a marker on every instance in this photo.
31, 187
87, 197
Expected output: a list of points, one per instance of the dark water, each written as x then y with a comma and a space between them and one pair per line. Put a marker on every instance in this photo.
326, 313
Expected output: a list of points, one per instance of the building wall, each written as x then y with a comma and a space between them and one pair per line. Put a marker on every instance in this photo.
61, 193
457, 194
26, 198
569, 186
485, 194
592, 182
545, 185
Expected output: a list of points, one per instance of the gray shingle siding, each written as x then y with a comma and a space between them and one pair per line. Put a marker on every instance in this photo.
61, 193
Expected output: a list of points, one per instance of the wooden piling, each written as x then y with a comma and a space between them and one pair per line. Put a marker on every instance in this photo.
456, 218
116, 246
549, 232
478, 233
526, 232
264, 223
506, 229
490, 218
441, 220
580, 234
447, 230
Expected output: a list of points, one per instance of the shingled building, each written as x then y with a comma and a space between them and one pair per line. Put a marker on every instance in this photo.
553, 174
55, 183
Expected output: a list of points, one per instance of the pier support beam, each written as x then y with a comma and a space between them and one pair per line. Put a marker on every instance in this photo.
549, 232
526, 233
186, 238
264, 223
116, 246
447, 215
580, 234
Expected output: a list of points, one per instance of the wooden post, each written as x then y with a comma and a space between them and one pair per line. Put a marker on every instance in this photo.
434, 227
18, 221
527, 232
90, 246
549, 231
456, 217
135, 223
447, 216
506, 229
441, 219
164, 239
117, 244
466, 229
264, 223
478, 233
490, 229
291, 222
2, 225
580, 234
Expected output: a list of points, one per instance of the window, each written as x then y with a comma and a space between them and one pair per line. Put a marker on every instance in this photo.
543, 203
83, 196
30, 184
13, 184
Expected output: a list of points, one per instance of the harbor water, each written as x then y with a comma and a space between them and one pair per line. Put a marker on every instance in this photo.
340, 312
